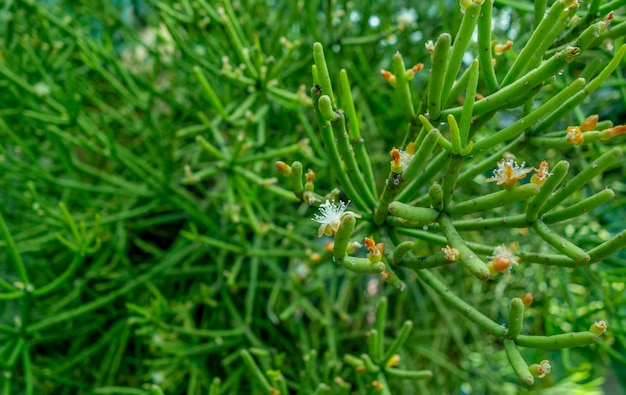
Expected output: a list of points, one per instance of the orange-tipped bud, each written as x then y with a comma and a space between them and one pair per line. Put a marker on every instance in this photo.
499, 49
283, 168
388, 75
589, 123
396, 161
377, 385
527, 299
541, 174
374, 254
609, 133
410, 73
309, 176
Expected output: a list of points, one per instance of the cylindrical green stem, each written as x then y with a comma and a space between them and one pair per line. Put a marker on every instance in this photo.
517, 363
586, 175
342, 237
493, 200
552, 182
461, 306
468, 104
322, 73
584, 206
565, 340
559, 243
363, 265
484, 46
516, 317
467, 257
403, 89
461, 41
411, 213
437, 75
532, 47
399, 340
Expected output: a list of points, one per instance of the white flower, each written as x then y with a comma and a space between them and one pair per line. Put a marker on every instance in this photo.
509, 172
41, 89
330, 218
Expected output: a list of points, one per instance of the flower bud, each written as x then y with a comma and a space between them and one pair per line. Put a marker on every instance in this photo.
598, 328
527, 299
589, 123
541, 369
283, 168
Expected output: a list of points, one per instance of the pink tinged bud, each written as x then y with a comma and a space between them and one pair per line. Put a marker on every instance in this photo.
598, 328
589, 123
283, 168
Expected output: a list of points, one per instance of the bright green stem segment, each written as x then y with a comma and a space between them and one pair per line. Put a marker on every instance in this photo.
484, 47
517, 363
352, 168
534, 44
450, 177
392, 186
494, 200
332, 151
565, 340
418, 162
573, 101
348, 105
524, 85
399, 340
583, 206
326, 108
461, 306
609, 247
296, 179
577, 254
552, 182
598, 166
322, 73
468, 104
467, 257
520, 125
342, 237
401, 250
363, 265
435, 192
516, 317
437, 75
354, 131
403, 89
461, 41
415, 214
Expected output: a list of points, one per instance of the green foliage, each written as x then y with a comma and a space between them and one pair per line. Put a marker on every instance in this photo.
148, 247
